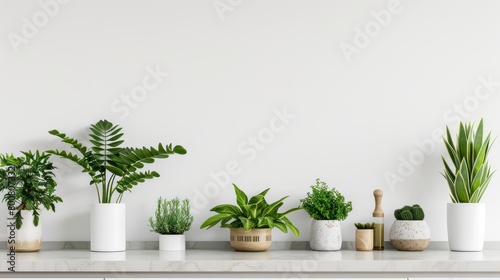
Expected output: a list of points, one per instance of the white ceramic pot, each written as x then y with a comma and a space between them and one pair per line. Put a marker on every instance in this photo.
466, 226
172, 242
326, 235
410, 235
107, 227
29, 237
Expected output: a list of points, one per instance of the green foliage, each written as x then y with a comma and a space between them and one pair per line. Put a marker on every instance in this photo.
326, 204
365, 226
252, 213
472, 173
33, 184
113, 169
410, 213
171, 217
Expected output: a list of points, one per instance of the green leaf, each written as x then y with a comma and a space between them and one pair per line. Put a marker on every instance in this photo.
241, 197
215, 219
461, 184
247, 223
227, 209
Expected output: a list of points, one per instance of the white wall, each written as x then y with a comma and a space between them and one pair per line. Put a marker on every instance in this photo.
356, 116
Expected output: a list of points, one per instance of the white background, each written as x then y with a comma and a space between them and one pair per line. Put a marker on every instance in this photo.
229, 71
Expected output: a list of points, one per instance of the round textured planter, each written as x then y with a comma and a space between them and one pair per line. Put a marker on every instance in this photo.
29, 237
254, 240
172, 242
410, 235
326, 235
364, 239
107, 227
466, 226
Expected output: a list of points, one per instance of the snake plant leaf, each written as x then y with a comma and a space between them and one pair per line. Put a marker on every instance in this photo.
462, 142
479, 178
461, 183
478, 140
448, 170
453, 154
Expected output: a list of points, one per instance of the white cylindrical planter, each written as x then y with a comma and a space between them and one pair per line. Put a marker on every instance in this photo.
107, 227
326, 235
29, 237
466, 226
172, 242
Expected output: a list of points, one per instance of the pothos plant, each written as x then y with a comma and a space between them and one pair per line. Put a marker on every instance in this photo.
252, 213
29, 184
113, 169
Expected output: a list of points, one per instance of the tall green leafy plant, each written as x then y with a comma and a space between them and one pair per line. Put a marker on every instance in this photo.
471, 173
113, 169
29, 184
324, 203
252, 213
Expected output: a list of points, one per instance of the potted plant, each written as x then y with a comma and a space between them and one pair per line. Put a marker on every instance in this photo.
364, 236
172, 219
113, 170
327, 207
29, 185
251, 220
468, 177
410, 232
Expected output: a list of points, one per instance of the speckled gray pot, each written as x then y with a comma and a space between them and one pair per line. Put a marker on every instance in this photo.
326, 235
410, 235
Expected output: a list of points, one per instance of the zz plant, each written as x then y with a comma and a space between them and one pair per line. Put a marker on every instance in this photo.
113, 169
252, 213
469, 173
29, 184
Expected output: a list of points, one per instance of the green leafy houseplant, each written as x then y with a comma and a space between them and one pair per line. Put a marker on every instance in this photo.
252, 213
472, 173
33, 184
113, 169
326, 204
171, 217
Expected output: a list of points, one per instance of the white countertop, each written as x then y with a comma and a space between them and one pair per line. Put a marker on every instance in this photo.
311, 263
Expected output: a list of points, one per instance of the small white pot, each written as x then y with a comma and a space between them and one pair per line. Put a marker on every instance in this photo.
172, 242
326, 235
29, 237
410, 235
107, 227
466, 226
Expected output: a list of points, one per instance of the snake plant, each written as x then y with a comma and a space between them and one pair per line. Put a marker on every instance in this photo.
472, 173
113, 169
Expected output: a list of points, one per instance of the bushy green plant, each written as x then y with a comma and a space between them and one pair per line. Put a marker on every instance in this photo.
364, 226
112, 168
326, 204
472, 174
252, 213
410, 213
171, 217
32, 185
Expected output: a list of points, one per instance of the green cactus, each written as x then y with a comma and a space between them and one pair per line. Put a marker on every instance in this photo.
410, 213
406, 215
365, 226
418, 213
